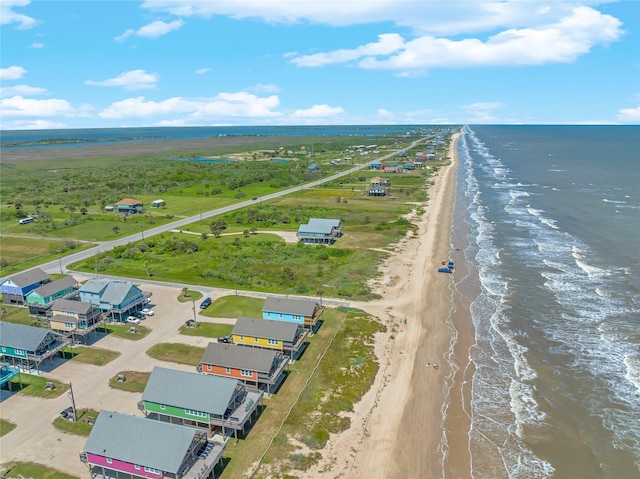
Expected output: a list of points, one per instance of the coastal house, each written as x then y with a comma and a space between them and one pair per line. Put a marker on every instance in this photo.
116, 298
75, 318
197, 400
283, 336
40, 299
257, 368
28, 346
320, 231
126, 446
377, 190
304, 312
129, 206
15, 288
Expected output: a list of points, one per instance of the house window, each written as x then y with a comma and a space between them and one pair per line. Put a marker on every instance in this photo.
68, 325
4, 350
191, 412
228, 370
69, 313
162, 406
246, 372
151, 469
19, 351
109, 460
136, 467
241, 338
273, 342
256, 339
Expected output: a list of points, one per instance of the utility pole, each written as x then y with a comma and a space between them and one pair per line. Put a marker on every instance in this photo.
193, 307
73, 402
142, 231
59, 260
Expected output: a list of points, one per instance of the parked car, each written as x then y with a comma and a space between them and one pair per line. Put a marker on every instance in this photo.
205, 303
133, 320
147, 311
224, 339
190, 323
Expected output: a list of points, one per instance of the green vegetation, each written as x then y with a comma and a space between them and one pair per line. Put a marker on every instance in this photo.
35, 386
19, 253
208, 330
125, 331
6, 427
187, 295
234, 306
176, 353
14, 470
259, 263
344, 374
89, 355
18, 315
81, 427
134, 381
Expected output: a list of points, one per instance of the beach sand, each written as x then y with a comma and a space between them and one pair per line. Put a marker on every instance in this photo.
398, 429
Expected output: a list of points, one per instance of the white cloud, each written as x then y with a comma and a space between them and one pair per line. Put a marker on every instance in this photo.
559, 42
386, 45
264, 88
202, 71
421, 17
21, 90
7, 15
152, 30
37, 45
33, 125
482, 112
20, 106
318, 111
131, 80
12, 73
629, 115
240, 104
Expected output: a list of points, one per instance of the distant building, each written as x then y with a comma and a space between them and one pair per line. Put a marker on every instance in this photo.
293, 310
158, 203
116, 298
74, 317
28, 346
40, 299
377, 190
130, 206
284, 336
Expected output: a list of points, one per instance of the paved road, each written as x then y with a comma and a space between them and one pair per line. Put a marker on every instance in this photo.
55, 266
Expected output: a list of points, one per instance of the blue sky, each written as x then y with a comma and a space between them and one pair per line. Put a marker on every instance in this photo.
102, 64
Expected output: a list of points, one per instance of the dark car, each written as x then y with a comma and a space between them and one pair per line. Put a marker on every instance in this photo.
224, 339
205, 302
190, 323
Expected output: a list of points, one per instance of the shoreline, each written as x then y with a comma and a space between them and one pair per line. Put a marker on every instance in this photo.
398, 429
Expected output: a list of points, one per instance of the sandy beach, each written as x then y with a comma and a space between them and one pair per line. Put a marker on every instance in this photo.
398, 429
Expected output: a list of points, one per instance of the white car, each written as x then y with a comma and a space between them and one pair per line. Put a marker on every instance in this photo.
148, 312
133, 320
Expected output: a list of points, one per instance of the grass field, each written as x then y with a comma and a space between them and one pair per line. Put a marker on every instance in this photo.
17, 315
14, 470
234, 306
207, 330
89, 355
135, 381
126, 330
6, 427
81, 427
176, 353
35, 386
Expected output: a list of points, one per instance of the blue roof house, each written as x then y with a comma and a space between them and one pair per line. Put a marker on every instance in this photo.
116, 298
320, 231
15, 289
27, 345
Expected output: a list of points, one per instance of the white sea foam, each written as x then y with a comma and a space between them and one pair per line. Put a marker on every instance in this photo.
632, 362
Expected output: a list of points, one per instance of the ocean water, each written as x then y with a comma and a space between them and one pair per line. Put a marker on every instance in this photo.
552, 221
